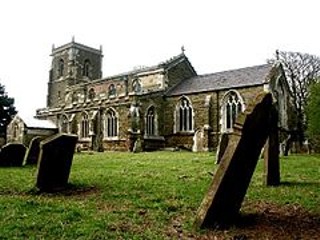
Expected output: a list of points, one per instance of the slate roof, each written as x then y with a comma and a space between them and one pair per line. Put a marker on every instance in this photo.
243, 77
32, 122
165, 65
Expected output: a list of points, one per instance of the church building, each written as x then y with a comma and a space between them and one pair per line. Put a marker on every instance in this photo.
157, 107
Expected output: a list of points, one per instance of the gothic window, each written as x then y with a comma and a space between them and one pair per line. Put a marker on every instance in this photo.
184, 116
110, 124
136, 85
75, 97
84, 126
64, 124
151, 122
15, 131
112, 90
91, 94
61, 68
86, 68
232, 106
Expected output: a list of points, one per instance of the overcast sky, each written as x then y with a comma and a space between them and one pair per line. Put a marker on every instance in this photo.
216, 34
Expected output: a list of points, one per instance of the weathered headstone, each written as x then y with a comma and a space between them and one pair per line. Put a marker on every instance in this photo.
198, 140
271, 153
222, 203
33, 152
137, 147
55, 160
12, 155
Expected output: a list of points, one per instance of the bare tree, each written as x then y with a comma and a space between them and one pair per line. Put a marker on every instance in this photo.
301, 71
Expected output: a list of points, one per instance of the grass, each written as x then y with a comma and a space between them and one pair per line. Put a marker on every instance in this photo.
137, 196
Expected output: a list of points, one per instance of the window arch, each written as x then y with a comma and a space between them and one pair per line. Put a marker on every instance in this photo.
112, 90
84, 126
184, 115
232, 105
61, 68
151, 122
86, 68
110, 124
64, 124
75, 97
136, 85
15, 131
91, 94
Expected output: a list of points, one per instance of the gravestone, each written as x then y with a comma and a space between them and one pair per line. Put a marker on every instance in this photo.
55, 160
222, 203
271, 153
12, 155
137, 147
198, 141
33, 152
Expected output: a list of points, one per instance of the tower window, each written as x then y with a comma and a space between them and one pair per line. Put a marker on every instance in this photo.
86, 68
61, 68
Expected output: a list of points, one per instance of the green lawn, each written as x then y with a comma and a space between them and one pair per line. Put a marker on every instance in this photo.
137, 196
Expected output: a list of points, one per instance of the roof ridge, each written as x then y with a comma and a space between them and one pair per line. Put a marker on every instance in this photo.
235, 69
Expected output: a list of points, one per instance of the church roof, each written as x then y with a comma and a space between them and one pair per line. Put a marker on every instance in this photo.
243, 77
163, 65
32, 122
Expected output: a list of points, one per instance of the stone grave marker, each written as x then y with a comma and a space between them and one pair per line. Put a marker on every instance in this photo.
33, 152
272, 152
222, 203
12, 155
55, 160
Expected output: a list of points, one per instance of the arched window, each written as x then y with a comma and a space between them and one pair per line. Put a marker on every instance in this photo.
86, 68
184, 116
136, 85
232, 105
64, 124
151, 122
15, 131
91, 94
61, 68
112, 91
75, 97
110, 124
84, 126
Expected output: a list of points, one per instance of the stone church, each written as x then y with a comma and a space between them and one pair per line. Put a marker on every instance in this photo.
163, 106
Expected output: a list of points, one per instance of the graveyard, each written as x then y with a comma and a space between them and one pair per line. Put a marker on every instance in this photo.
156, 195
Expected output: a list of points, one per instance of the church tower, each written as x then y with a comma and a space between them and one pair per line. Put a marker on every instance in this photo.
72, 63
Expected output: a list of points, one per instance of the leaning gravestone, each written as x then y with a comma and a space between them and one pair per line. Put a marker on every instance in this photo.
222, 203
12, 155
33, 151
55, 160
271, 152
